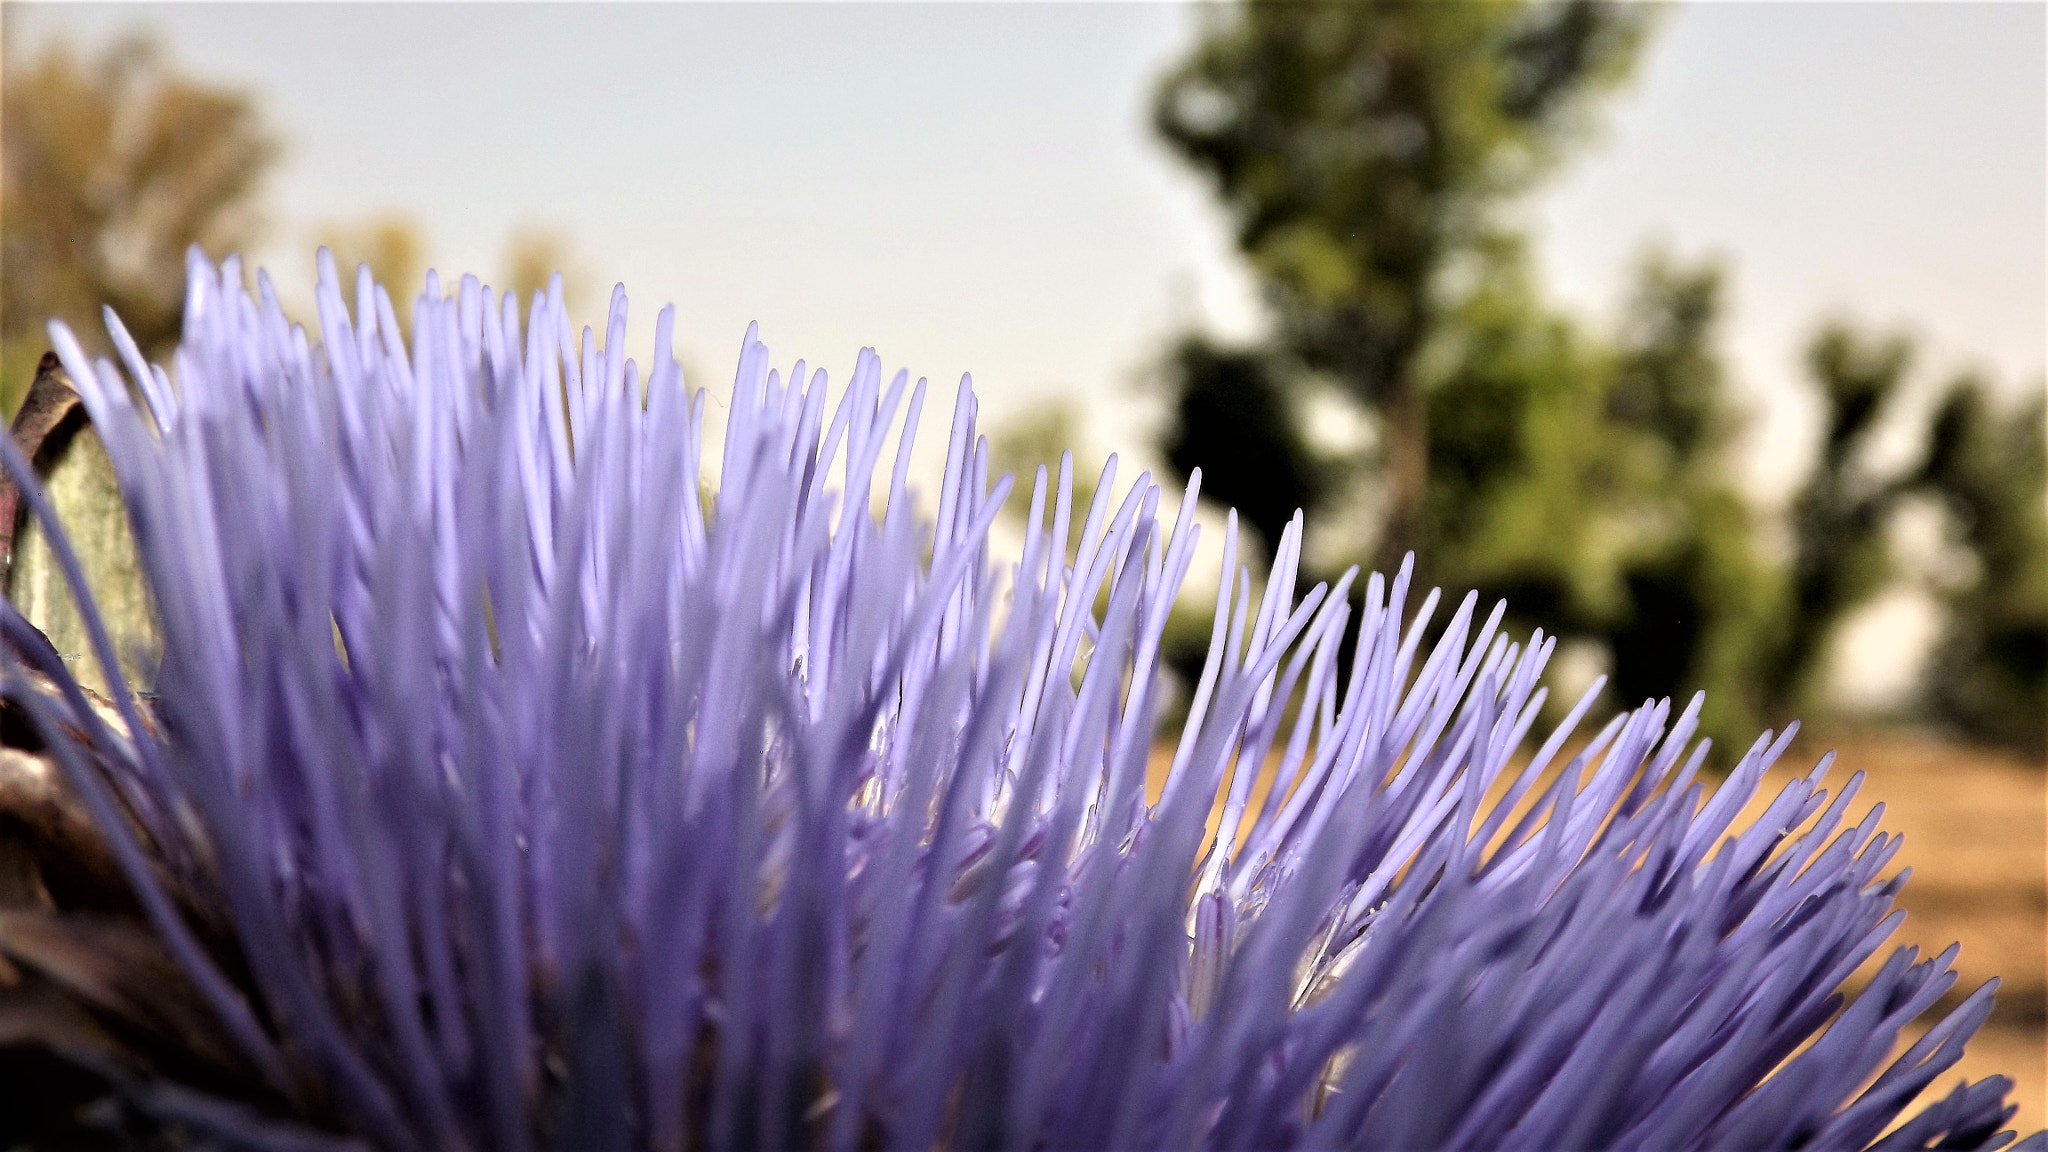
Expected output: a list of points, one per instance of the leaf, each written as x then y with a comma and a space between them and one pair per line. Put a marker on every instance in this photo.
116, 967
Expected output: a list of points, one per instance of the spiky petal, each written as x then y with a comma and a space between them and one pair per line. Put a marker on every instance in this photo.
550, 805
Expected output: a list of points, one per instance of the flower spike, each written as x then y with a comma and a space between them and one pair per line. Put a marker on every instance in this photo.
547, 803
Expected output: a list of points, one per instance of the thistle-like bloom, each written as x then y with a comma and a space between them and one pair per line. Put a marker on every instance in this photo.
501, 790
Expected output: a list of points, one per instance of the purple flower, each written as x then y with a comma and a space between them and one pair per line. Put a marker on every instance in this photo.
546, 801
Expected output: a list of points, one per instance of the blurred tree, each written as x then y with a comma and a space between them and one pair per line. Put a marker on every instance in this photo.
1037, 437
1586, 481
1984, 467
1523, 475
1364, 149
1838, 519
1694, 589
533, 255
394, 247
1367, 152
1989, 674
1236, 421
109, 169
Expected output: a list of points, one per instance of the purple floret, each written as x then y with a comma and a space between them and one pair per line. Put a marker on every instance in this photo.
556, 798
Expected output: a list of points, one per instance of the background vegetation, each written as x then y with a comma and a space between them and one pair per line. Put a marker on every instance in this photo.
1373, 157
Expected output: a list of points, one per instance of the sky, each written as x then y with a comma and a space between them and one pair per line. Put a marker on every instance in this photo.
975, 187
1876, 161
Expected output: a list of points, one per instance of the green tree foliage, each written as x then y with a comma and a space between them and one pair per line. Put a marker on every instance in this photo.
1367, 153
1984, 468
1694, 590
109, 169
1235, 406
1363, 149
1840, 554
1586, 481
1989, 676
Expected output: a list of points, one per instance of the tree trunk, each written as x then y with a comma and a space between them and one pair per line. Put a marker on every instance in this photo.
1406, 472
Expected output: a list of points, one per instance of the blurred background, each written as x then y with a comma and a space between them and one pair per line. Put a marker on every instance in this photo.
1711, 335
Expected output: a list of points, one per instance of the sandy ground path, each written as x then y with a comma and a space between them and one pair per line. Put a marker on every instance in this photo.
1976, 829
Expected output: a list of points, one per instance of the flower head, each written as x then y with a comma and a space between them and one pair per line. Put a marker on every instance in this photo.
499, 791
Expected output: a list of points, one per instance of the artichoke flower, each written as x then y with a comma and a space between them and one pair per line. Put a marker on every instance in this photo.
504, 785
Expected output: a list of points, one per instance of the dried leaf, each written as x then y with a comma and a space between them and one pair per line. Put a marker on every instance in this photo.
117, 967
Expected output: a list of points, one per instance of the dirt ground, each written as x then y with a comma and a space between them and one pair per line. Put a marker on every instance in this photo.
1976, 829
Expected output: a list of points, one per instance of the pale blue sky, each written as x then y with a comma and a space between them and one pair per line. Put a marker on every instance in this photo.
974, 186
